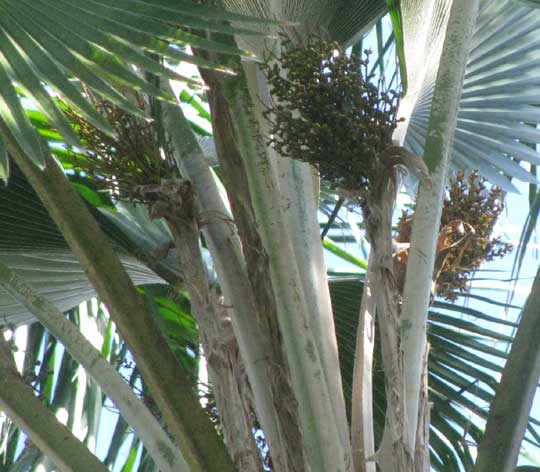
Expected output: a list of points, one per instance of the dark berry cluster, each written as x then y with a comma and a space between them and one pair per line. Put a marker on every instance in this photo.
327, 111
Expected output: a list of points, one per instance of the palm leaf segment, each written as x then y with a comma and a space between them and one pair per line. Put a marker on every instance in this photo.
321, 17
498, 110
45, 42
31, 244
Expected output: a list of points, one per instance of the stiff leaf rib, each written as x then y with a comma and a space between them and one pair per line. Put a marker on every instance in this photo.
31, 82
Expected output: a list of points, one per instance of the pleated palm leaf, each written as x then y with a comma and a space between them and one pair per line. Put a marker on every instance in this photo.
497, 112
39, 49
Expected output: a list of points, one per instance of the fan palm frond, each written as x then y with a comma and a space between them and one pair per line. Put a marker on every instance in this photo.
500, 88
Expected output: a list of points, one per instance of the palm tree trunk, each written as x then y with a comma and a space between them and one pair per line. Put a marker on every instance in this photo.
174, 201
362, 438
240, 280
322, 445
421, 260
299, 184
394, 453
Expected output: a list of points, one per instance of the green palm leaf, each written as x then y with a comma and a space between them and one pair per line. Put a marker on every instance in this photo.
44, 42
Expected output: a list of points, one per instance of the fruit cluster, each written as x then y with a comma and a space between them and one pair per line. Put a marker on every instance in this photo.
469, 214
327, 111
121, 164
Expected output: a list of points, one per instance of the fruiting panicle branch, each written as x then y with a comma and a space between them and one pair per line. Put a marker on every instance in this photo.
470, 211
122, 163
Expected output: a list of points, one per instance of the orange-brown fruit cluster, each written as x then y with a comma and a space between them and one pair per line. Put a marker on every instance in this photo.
469, 214
124, 163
